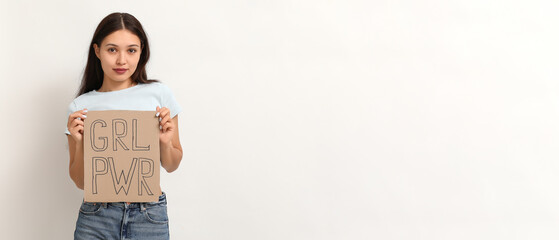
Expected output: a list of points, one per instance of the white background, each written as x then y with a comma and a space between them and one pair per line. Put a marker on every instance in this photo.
328, 119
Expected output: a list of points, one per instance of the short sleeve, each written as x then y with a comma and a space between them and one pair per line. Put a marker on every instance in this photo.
71, 108
168, 100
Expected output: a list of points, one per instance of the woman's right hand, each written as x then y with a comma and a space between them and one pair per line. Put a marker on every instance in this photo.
75, 124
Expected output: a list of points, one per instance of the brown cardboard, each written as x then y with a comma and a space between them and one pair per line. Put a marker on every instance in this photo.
121, 156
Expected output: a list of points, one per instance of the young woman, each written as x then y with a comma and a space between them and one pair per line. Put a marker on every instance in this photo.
115, 79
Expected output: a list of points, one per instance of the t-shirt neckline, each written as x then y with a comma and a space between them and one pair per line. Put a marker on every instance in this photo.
118, 91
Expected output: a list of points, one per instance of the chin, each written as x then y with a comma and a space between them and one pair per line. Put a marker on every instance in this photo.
121, 78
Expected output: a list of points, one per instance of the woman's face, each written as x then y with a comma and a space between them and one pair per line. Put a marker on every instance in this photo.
119, 54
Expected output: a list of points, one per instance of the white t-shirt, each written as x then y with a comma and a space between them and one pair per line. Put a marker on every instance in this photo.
142, 97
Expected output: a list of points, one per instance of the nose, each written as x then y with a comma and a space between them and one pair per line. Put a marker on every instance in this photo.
121, 60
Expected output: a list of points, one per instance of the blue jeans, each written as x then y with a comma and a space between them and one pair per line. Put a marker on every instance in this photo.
119, 220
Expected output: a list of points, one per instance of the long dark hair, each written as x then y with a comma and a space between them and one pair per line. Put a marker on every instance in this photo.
93, 73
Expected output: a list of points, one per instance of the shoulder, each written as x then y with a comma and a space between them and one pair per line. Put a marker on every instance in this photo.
83, 98
158, 88
153, 86
79, 101
160, 85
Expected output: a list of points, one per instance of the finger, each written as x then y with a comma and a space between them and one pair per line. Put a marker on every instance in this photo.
78, 129
157, 110
77, 114
161, 113
74, 123
167, 127
165, 111
165, 120
77, 122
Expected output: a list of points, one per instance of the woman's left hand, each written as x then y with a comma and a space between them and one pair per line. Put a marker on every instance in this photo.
168, 127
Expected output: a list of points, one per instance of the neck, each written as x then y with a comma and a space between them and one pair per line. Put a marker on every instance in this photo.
109, 86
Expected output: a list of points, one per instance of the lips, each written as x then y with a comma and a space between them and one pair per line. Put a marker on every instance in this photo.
120, 70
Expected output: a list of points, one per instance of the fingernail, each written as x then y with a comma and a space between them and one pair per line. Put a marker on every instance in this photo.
157, 115
84, 116
79, 118
85, 111
160, 119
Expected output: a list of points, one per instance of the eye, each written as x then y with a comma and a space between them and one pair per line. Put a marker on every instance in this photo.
132, 50
112, 50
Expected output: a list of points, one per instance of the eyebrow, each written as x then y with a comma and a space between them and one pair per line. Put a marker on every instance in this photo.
131, 45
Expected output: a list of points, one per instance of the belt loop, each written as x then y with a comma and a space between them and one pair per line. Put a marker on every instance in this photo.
142, 206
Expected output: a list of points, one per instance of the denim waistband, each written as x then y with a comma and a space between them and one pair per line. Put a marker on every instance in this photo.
162, 200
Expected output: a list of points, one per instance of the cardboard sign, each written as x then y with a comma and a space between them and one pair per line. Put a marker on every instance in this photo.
121, 156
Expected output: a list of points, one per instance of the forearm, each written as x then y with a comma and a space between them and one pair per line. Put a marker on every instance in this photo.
76, 167
170, 157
